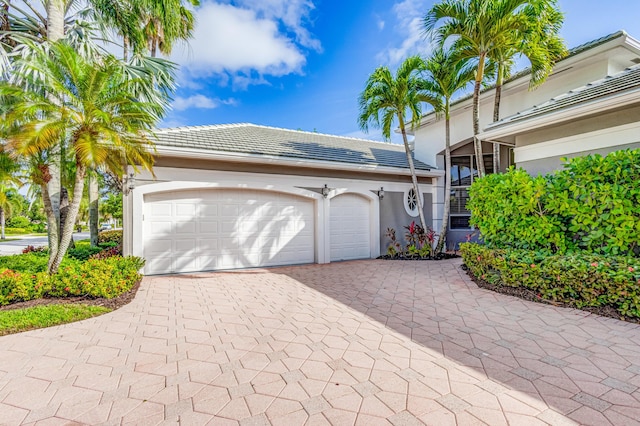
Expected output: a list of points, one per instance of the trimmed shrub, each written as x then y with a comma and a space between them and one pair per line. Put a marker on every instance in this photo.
22, 286
16, 231
510, 211
592, 205
598, 200
84, 252
110, 237
580, 280
19, 222
107, 278
107, 252
31, 262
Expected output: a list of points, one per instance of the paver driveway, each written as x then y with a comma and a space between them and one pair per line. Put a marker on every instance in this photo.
370, 342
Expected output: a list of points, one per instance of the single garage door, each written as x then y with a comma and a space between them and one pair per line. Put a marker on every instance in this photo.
202, 230
350, 227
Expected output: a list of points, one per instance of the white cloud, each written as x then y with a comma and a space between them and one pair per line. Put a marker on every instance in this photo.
245, 40
200, 102
409, 15
293, 14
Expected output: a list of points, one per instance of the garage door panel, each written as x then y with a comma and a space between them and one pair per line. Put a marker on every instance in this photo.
158, 265
186, 264
207, 245
160, 246
185, 209
229, 211
208, 227
208, 211
162, 210
350, 227
160, 227
185, 227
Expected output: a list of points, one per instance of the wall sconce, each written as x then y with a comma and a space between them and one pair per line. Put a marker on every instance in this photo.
380, 193
325, 191
129, 183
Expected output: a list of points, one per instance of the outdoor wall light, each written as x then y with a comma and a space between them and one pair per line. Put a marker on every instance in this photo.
325, 191
380, 193
129, 183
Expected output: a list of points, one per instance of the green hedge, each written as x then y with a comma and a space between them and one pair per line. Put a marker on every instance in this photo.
16, 231
107, 277
580, 280
110, 237
83, 252
592, 205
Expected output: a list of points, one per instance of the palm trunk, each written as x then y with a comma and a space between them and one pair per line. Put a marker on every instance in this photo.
477, 143
67, 226
496, 117
55, 20
55, 31
93, 208
125, 49
52, 224
412, 168
2, 220
447, 185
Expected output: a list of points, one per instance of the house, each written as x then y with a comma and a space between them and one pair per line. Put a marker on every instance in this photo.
243, 195
589, 104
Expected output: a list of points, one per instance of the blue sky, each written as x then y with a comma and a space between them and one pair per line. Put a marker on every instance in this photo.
301, 64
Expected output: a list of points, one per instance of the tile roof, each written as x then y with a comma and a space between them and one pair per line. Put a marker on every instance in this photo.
621, 82
246, 138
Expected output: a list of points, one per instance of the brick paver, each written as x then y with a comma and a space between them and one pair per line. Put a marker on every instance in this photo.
364, 342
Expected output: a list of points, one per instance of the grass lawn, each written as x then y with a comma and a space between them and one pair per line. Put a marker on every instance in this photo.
17, 320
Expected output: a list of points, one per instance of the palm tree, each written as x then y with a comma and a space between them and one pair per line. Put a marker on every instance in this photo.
164, 22
445, 75
540, 44
478, 28
95, 111
387, 98
27, 24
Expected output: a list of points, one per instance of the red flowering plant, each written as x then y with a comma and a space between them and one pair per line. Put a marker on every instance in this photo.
419, 241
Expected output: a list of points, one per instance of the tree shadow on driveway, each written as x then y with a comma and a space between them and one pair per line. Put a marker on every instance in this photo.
582, 365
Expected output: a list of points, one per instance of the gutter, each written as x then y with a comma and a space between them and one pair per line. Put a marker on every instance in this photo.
194, 153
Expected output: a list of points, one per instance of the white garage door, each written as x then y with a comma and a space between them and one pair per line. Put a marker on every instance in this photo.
201, 230
350, 227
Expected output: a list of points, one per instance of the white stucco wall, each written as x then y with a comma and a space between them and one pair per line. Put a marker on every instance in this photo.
533, 156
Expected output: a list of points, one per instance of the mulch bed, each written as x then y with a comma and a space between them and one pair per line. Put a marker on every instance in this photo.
439, 256
113, 304
532, 296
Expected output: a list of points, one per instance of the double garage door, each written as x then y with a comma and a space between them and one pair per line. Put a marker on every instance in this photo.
202, 230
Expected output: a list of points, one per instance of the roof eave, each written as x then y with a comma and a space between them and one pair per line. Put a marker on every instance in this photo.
498, 130
183, 152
